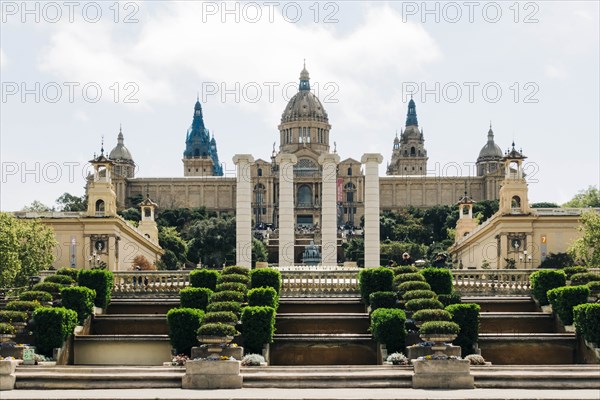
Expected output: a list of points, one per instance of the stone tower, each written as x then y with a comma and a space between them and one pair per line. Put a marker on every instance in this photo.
466, 223
147, 224
200, 157
102, 200
409, 156
124, 168
513, 193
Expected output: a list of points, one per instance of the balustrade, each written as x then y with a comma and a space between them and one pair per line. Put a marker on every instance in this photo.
149, 282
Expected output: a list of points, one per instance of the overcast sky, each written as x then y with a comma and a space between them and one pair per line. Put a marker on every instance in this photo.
72, 73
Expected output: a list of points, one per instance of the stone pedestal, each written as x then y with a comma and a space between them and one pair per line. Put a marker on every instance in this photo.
212, 375
416, 351
442, 374
329, 209
202, 352
243, 210
286, 208
371, 235
7, 374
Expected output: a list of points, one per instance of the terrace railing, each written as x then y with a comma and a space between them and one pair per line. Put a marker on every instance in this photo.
496, 281
319, 281
159, 283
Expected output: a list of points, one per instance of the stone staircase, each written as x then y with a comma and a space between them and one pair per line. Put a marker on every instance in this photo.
322, 331
133, 332
513, 330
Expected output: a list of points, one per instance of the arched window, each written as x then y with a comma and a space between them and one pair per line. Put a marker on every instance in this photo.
100, 208
516, 202
147, 212
259, 172
350, 189
412, 151
304, 196
349, 171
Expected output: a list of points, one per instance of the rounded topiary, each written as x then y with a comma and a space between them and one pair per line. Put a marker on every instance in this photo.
412, 285
594, 287
258, 327
410, 277
440, 279
50, 287
419, 294
570, 271
236, 269
239, 278
204, 278
217, 329
387, 326
584, 278
405, 269
235, 286
227, 295
439, 327
51, 327
452, 298
7, 329
226, 317
61, 279
563, 299
195, 297
466, 315
421, 304
266, 277
232, 306
426, 315
101, 281
383, 300
183, 325
72, 272
22, 305
544, 280
36, 295
373, 280
79, 299
263, 296
9, 316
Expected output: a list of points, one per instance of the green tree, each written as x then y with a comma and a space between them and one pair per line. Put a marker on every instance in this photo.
26, 247
587, 247
68, 202
589, 197
544, 204
354, 250
37, 206
170, 240
213, 241
394, 250
259, 251
131, 214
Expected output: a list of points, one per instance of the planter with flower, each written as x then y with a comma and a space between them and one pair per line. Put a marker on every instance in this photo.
7, 332
439, 332
397, 359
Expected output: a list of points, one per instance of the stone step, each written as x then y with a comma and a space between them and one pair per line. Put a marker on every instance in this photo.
528, 348
516, 322
136, 305
111, 324
323, 349
121, 349
503, 303
298, 305
322, 323
117, 377
537, 376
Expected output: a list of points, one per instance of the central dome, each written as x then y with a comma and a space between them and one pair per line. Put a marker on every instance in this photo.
490, 150
304, 105
120, 152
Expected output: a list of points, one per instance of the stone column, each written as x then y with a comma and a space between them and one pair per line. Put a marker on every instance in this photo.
243, 211
371, 235
286, 208
328, 209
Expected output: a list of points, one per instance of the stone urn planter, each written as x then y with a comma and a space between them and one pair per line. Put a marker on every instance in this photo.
439, 341
215, 343
439, 332
7, 374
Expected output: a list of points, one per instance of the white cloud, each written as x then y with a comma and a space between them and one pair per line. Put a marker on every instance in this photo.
554, 72
3, 59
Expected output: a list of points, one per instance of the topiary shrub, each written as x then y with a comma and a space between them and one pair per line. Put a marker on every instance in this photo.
183, 325
563, 299
592, 323
263, 296
36, 295
584, 278
467, 317
79, 299
373, 280
61, 279
217, 329
235, 286
195, 297
266, 277
72, 272
258, 327
101, 281
412, 285
7, 329
411, 277
387, 326
544, 280
8, 316
236, 269
22, 305
579, 317
419, 294
239, 278
226, 317
404, 269
452, 298
439, 327
440, 279
49, 287
422, 304
594, 287
570, 271
227, 295
232, 306
204, 278
51, 327
383, 300
427, 315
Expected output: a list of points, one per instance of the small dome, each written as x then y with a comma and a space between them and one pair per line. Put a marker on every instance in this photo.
304, 104
491, 149
120, 152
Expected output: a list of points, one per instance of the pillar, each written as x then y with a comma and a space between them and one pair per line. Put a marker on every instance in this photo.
328, 209
286, 208
243, 210
371, 235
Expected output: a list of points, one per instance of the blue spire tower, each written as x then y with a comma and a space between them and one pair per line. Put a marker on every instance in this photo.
200, 157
